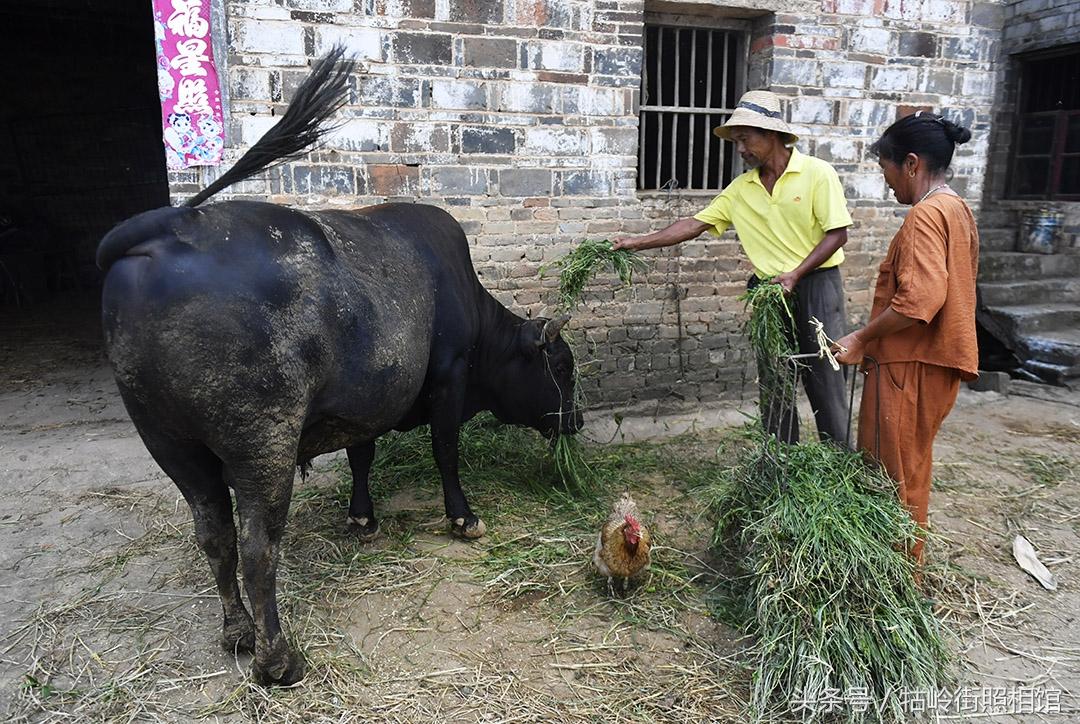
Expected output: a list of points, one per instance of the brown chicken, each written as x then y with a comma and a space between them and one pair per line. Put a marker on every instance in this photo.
622, 547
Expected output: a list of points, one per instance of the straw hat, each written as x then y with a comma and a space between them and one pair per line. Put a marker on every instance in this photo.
757, 109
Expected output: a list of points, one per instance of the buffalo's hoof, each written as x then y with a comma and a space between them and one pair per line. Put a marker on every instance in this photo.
286, 670
238, 636
365, 529
469, 528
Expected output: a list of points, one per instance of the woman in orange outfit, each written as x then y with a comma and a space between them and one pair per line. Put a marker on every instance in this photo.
922, 325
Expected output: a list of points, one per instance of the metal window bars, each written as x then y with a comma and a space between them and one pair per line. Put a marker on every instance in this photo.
691, 79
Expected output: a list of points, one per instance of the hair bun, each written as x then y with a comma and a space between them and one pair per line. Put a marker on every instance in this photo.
955, 133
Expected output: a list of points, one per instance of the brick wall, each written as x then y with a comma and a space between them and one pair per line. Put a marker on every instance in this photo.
1029, 26
520, 118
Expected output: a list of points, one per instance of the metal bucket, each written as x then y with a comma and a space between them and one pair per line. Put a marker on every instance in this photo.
1039, 231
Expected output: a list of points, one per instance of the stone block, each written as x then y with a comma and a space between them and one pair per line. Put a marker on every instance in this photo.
386, 91
256, 36
490, 52
393, 179
867, 113
516, 182
617, 61
458, 94
893, 79
792, 71
525, 98
586, 183
614, 141
555, 141
554, 55
810, 109
837, 150
487, 140
987, 15
331, 180
420, 138
967, 48
843, 75
877, 41
918, 45
475, 11
339, 6
459, 180
360, 134
422, 48
364, 43
405, 8
990, 382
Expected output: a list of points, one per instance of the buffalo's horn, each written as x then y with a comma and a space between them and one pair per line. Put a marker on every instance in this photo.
552, 327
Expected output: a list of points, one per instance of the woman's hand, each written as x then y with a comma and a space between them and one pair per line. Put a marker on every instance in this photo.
627, 242
849, 350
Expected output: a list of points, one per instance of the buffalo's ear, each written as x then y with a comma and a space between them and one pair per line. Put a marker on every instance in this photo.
531, 336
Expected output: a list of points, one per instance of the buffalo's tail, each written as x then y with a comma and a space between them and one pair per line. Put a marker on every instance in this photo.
320, 95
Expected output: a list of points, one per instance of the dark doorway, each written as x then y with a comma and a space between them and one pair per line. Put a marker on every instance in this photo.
80, 148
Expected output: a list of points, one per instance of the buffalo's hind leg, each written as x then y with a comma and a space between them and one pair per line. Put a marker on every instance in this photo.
263, 487
197, 472
361, 510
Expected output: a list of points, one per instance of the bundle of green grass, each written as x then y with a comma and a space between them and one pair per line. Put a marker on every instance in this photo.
576, 270
819, 539
585, 261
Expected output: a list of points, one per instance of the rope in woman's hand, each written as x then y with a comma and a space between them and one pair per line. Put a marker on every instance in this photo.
825, 344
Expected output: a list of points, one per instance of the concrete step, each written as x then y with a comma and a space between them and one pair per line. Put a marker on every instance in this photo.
1021, 319
998, 266
997, 239
1030, 291
1057, 347
1054, 374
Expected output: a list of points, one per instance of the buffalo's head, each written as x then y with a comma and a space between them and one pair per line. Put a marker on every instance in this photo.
538, 380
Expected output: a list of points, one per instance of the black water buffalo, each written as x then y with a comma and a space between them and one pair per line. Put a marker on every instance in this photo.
248, 338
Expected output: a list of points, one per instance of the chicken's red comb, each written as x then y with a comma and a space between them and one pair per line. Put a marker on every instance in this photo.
631, 521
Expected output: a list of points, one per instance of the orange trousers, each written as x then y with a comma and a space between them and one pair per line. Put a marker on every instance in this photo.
903, 406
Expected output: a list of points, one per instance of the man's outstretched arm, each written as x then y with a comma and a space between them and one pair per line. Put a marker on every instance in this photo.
681, 230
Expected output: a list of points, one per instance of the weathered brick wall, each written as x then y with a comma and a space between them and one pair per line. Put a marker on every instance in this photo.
1029, 25
520, 118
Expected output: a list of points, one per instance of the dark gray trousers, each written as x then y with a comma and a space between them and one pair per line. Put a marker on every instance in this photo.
819, 294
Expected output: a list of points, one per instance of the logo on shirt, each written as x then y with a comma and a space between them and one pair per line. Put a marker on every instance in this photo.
797, 199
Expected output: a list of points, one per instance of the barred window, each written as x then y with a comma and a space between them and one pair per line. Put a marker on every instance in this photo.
691, 79
1046, 152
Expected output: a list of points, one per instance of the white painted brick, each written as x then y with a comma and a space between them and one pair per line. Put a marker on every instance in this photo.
458, 94
554, 140
360, 134
364, 43
253, 127
843, 75
872, 40
893, 79
555, 55
809, 109
978, 83
256, 36
337, 6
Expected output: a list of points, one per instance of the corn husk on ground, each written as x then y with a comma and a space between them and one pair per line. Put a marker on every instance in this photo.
816, 537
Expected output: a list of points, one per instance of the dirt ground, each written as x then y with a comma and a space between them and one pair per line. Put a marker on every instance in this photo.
108, 611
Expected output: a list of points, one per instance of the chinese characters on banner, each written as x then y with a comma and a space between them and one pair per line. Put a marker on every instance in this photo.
192, 122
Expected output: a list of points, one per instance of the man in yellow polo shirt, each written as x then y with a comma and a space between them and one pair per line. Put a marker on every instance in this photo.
791, 218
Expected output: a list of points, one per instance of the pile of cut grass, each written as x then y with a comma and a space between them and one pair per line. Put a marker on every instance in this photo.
587, 259
817, 537
487, 447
